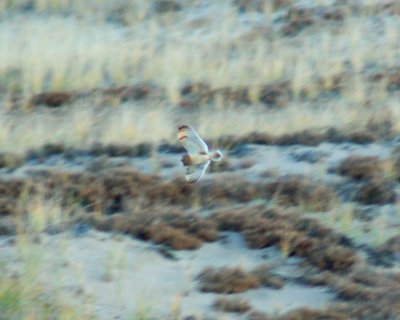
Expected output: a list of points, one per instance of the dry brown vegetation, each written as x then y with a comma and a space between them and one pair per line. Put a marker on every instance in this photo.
360, 168
109, 190
391, 246
267, 278
227, 280
111, 193
234, 305
295, 236
295, 191
376, 191
173, 228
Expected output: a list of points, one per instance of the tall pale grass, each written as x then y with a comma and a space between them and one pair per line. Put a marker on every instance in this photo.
75, 47
26, 290
77, 53
81, 125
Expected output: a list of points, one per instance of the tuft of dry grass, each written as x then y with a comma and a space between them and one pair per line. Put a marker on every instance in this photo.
173, 237
227, 280
296, 191
51, 99
376, 191
183, 232
359, 167
391, 246
306, 313
234, 305
267, 278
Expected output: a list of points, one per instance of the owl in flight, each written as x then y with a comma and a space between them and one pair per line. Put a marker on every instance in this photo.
198, 157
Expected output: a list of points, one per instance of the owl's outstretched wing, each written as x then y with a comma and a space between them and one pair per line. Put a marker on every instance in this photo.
194, 173
191, 141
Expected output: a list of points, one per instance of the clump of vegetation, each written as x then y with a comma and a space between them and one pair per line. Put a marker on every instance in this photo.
192, 224
391, 246
267, 278
295, 191
332, 257
367, 276
361, 292
312, 277
115, 150
227, 280
173, 237
172, 228
376, 191
298, 19
52, 99
264, 227
359, 167
234, 305
231, 220
306, 313
347, 290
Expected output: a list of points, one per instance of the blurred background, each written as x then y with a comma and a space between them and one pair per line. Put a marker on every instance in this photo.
299, 221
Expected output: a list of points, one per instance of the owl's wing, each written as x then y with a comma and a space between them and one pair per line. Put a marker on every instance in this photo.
191, 141
194, 173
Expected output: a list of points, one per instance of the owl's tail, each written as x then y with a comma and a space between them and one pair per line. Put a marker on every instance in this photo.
216, 156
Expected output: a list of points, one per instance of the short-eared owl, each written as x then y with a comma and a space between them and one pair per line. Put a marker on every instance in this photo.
198, 157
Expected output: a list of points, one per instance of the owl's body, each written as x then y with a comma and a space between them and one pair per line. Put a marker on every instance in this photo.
194, 160
198, 157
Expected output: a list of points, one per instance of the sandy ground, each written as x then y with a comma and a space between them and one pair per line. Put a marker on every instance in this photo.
119, 277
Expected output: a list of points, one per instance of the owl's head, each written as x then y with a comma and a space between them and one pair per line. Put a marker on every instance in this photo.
216, 156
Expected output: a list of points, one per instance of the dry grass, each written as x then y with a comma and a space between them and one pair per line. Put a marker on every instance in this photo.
299, 191
81, 125
358, 168
267, 278
305, 313
182, 232
376, 191
171, 64
111, 189
363, 226
235, 305
391, 246
23, 293
263, 227
115, 51
227, 280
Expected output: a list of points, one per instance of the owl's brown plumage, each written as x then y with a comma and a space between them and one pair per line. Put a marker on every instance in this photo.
186, 160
